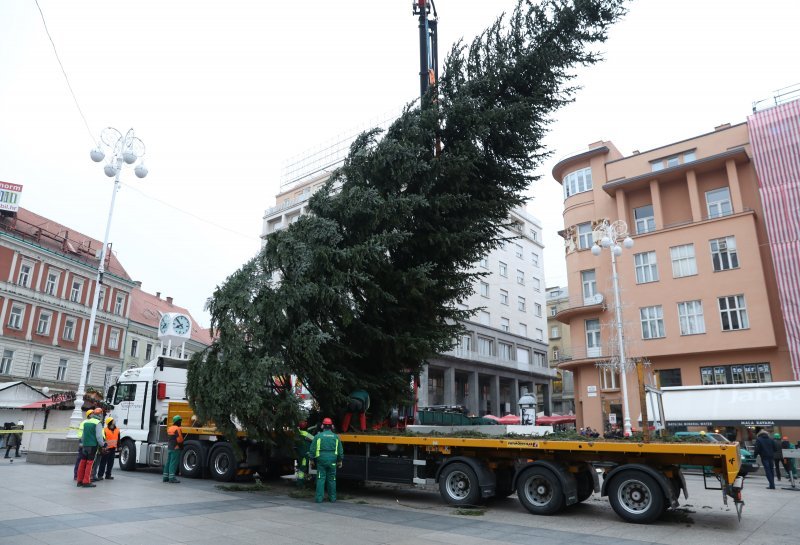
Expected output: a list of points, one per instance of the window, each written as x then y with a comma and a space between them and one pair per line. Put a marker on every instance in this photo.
43, 326
523, 329
718, 202
537, 309
15, 317
750, 373
5, 363
555, 332
125, 392
645, 219
485, 317
689, 156
485, 262
539, 334
76, 291
148, 353
593, 348
652, 319
51, 285
113, 339
655, 166
504, 351
504, 297
608, 378
539, 359
95, 335
466, 343
589, 284
518, 250
520, 277
25, 272
485, 346
134, 348
107, 378
537, 284
484, 289
577, 182
119, 304
723, 254
683, 261
505, 325
714, 375
61, 372
36, 365
535, 259
585, 236
733, 312
534, 235
102, 298
646, 267
669, 377
69, 329
556, 353
523, 355
673, 161
553, 311
521, 304
503, 270
690, 317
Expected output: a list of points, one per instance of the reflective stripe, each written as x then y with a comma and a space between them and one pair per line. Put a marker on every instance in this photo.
336, 450
319, 443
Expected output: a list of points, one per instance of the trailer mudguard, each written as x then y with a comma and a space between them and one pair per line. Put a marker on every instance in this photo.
566, 478
661, 479
486, 478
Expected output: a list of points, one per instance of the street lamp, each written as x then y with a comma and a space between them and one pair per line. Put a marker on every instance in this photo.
610, 235
124, 150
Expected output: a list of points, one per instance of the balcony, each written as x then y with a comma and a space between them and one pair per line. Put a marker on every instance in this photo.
578, 306
287, 203
513, 365
579, 355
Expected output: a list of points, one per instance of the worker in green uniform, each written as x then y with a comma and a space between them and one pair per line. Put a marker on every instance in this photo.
358, 403
174, 444
302, 440
326, 452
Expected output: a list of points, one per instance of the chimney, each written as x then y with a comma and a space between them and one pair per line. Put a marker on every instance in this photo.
596, 144
635, 152
138, 283
722, 127
158, 295
169, 300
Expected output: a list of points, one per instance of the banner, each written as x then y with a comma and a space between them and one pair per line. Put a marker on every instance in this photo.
9, 196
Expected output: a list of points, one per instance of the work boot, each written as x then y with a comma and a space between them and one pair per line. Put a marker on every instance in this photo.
90, 485
174, 480
109, 478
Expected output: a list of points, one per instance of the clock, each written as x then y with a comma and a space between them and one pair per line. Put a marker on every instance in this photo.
181, 324
164, 325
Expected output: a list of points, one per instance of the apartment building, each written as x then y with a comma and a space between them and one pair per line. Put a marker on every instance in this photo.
503, 351
698, 289
47, 284
558, 350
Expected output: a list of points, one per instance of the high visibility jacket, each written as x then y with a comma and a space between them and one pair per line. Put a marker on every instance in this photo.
302, 442
79, 431
326, 446
92, 433
174, 437
111, 437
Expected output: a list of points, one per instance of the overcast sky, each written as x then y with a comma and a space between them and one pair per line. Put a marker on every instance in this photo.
223, 94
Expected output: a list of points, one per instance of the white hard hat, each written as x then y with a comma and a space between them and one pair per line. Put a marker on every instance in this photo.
20, 423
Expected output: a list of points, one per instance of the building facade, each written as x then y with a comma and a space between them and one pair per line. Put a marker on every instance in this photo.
47, 283
698, 291
503, 351
558, 350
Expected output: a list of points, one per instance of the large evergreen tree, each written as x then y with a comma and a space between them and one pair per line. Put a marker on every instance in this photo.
361, 291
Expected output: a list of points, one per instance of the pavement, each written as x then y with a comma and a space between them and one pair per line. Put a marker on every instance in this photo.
41, 505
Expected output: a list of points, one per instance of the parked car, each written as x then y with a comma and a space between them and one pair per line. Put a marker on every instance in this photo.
749, 461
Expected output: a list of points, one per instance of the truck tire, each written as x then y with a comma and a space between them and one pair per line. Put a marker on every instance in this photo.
458, 485
192, 460
540, 491
585, 485
222, 463
127, 455
636, 497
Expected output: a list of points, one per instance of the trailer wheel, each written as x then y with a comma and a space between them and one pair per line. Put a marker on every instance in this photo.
192, 461
540, 491
636, 497
458, 485
127, 455
222, 463
585, 485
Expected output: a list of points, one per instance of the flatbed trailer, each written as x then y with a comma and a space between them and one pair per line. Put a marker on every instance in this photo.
641, 480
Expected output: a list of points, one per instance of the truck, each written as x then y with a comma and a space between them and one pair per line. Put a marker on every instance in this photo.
146, 398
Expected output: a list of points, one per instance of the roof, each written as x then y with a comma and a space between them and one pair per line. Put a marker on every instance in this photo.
147, 309
4, 385
58, 238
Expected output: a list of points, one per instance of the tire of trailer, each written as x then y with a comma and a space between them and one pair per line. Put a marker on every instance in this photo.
222, 463
539, 491
127, 455
585, 485
192, 460
458, 485
636, 497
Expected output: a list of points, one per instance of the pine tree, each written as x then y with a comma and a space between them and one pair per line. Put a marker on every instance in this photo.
362, 291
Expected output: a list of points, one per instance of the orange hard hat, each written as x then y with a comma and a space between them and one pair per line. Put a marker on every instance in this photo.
98, 410
327, 422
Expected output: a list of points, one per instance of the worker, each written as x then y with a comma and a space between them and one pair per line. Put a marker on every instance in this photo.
14, 440
327, 453
777, 457
111, 436
79, 434
302, 441
359, 403
174, 444
788, 463
91, 440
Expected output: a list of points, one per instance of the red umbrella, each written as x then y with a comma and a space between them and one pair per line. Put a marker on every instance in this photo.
509, 419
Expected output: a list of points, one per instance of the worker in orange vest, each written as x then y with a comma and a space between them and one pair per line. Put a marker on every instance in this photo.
111, 436
174, 444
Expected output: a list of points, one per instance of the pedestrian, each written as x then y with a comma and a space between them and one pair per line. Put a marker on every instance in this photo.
327, 453
788, 463
301, 443
358, 404
79, 434
111, 437
91, 440
14, 440
174, 444
766, 449
777, 457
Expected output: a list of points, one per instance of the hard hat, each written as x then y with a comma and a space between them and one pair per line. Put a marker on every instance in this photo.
327, 421
776, 435
98, 410
702, 433
176, 418
89, 413
785, 437
109, 419
20, 423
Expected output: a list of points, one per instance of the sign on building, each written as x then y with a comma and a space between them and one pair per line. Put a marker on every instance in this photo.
9, 196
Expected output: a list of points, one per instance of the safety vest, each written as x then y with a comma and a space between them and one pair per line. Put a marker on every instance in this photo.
327, 442
111, 437
174, 437
89, 438
79, 431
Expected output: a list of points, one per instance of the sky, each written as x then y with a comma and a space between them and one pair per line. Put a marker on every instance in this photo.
224, 94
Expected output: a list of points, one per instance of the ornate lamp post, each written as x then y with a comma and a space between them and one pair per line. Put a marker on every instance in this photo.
124, 150
610, 235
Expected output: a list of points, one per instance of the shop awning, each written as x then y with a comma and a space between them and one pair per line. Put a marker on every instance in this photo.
554, 419
43, 404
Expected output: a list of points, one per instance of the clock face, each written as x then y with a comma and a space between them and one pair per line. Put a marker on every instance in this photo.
164, 326
181, 325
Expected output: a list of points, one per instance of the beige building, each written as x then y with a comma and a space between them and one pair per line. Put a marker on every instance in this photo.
698, 289
558, 350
